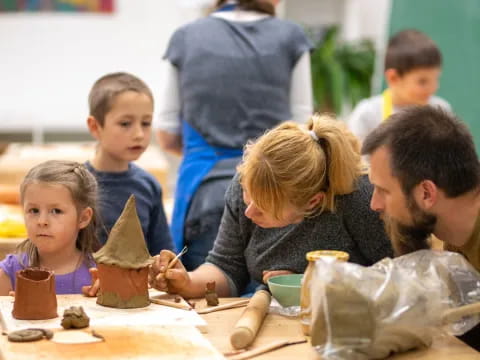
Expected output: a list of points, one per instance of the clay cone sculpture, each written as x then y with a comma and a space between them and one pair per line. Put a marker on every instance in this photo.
123, 263
35, 297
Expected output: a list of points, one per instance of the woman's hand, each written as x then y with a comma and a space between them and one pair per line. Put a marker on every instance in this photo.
175, 280
267, 274
92, 290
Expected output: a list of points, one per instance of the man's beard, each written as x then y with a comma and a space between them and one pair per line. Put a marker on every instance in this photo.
408, 238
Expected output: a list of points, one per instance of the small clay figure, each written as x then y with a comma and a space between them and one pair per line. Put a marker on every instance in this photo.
27, 335
210, 294
75, 317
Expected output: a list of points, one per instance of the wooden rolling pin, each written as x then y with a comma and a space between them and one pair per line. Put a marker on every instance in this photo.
247, 326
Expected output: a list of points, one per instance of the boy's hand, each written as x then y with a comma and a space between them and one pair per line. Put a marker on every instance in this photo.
267, 274
174, 280
92, 290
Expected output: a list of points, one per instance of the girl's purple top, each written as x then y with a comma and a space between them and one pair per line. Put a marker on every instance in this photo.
70, 283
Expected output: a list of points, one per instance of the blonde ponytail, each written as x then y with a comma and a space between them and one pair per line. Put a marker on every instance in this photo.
342, 156
289, 165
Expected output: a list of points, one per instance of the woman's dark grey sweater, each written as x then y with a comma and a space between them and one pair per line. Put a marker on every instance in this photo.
244, 250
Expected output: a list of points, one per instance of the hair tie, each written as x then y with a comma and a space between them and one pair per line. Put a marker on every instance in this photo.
314, 135
77, 169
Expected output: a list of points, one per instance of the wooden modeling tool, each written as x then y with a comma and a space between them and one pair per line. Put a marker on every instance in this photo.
230, 305
247, 326
241, 355
179, 305
175, 259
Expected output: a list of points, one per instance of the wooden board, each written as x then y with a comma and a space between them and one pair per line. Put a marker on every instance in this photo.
105, 316
136, 343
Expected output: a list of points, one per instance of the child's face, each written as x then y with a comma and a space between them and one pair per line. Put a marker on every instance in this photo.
52, 219
414, 87
126, 131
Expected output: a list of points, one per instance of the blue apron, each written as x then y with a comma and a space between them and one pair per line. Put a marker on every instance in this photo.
198, 159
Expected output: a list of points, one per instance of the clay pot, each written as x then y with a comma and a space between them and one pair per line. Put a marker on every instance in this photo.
35, 297
122, 288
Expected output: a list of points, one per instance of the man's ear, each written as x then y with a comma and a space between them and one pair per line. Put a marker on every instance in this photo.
93, 126
392, 77
315, 200
426, 194
85, 217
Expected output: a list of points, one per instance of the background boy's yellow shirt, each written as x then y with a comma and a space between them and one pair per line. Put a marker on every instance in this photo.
471, 250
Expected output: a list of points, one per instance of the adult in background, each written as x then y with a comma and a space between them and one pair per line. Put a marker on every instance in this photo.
231, 76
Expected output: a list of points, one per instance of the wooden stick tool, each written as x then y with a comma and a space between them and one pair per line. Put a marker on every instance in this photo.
175, 259
249, 323
230, 305
264, 348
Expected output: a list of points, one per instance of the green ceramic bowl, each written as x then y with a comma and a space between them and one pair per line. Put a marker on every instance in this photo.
286, 289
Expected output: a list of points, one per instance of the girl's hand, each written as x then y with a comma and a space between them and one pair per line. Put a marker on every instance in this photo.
267, 274
92, 290
175, 280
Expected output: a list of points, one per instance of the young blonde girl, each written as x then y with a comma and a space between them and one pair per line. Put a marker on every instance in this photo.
60, 212
298, 189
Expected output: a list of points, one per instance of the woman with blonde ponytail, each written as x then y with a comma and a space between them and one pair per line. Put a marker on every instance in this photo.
299, 188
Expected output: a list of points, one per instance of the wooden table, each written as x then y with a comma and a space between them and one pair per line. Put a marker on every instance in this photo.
275, 327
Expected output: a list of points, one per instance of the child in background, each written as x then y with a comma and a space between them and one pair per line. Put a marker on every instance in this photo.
412, 69
59, 204
121, 109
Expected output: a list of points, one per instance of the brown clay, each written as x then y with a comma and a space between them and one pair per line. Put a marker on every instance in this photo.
75, 317
210, 294
123, 288
35, 297
27, 335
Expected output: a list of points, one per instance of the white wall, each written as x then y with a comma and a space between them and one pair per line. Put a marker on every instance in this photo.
49, 61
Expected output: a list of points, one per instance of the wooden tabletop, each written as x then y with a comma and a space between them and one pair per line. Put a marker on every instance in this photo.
277, 327
220, 324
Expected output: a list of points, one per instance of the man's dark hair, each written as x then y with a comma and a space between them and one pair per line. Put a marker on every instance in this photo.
412, 49
428, 143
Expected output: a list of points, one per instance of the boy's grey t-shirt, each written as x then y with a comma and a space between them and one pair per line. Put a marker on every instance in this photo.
368, 114
235, 76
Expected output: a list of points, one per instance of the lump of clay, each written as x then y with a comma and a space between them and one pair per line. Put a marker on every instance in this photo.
210, 294
123, 263
27, 335
75, 317
372, 312
35, 297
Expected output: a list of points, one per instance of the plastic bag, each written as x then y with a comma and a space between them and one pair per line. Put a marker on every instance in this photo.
392, 306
